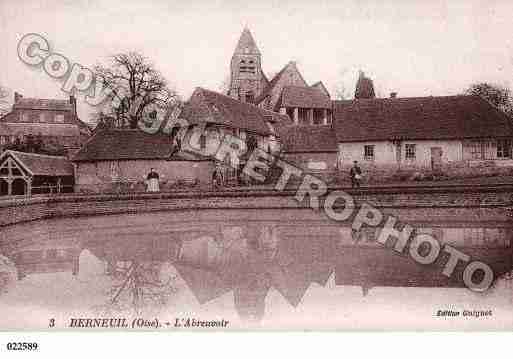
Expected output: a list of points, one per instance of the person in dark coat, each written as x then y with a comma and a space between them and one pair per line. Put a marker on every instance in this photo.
355, 174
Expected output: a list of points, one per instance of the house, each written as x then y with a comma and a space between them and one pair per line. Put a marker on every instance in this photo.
29, 173
219, 115
53, 122
118, 158
451, 134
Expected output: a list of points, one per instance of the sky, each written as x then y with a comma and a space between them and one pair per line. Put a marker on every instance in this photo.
414, 47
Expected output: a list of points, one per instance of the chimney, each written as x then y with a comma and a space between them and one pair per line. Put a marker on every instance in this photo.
17, 96
393, 94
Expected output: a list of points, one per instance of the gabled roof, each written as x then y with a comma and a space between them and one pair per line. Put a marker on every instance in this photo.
419, 118
320, 86
304, 97
207, 106
312, 138
276, 79
246, 41
41, 165
122, 144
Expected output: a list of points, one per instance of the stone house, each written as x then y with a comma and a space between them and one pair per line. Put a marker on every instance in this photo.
118, 160
449, 134
55, 122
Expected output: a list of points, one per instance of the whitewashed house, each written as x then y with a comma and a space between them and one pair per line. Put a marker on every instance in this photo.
449, 134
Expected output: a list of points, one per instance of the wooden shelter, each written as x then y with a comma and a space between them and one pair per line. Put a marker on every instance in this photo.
30, 173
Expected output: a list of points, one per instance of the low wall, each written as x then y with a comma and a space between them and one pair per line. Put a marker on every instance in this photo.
392, 172
487, 202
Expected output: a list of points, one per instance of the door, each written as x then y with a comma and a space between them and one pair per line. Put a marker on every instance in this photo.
436, 159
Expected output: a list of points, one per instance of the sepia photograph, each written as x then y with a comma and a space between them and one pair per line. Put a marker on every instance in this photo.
224, 166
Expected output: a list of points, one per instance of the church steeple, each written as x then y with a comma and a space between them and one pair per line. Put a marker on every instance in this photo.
246, 44
246, 75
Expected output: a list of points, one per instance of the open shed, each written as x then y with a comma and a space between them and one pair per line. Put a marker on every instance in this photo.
30, 173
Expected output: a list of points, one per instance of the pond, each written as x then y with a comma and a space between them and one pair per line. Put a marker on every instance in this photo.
267, 269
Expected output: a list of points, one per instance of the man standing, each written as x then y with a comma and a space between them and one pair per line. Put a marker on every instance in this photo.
356, 175
153, 181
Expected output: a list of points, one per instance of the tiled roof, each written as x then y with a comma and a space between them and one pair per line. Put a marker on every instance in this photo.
211, 107
267, 91
125, 144
314, 138
304, 97
320, 86
41, 165
45, 129
43, 104
448, 117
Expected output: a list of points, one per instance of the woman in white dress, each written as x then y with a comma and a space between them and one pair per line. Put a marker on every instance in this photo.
153, 181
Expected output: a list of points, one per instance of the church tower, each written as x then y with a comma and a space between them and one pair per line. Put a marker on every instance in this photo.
247, 79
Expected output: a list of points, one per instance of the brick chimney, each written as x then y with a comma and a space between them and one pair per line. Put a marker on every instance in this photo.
17, 96
393, 94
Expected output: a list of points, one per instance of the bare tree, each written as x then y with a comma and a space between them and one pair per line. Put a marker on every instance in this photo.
136, 86
499, 96
138, 287
4, 100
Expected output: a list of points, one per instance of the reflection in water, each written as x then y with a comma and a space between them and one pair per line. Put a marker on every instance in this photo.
248, 260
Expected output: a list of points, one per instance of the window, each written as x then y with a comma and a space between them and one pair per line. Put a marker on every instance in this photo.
476, 150
59, 118
368, 152
504, 149
24, 117
410, 151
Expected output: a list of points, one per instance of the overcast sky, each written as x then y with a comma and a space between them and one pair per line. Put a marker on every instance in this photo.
416, 48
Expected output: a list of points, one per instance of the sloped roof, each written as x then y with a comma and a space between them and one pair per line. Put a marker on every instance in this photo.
41, 165
45, 129
447, 117
43, 104
320, 138
274, 81
117, 144
304, 97
320, 86
207, 106
246, 41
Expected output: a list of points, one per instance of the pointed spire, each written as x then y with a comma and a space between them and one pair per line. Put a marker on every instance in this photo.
246, 44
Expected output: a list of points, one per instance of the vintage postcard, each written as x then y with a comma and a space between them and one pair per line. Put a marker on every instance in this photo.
176, 166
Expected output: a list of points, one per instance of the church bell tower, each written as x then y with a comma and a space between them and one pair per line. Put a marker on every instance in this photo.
246, 76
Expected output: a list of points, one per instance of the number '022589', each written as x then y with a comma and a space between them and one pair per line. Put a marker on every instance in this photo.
22, 346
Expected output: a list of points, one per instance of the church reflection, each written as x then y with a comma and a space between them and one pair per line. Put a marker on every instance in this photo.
249, 260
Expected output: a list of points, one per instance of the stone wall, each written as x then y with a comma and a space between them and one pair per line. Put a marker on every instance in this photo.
130, 175
471, 202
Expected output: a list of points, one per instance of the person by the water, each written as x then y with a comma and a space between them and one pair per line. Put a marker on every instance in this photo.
355, 174
153, 181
